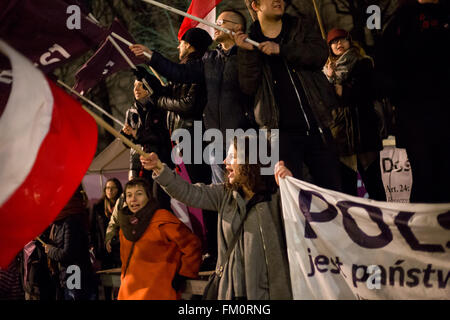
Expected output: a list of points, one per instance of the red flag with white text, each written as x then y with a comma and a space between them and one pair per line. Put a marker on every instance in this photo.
47, 142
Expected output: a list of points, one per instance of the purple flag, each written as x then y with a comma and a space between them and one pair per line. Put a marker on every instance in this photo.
45, 31
106, 61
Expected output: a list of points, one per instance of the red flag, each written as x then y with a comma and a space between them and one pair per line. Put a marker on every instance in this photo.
106, 61
47, 142
41, 30
204, 9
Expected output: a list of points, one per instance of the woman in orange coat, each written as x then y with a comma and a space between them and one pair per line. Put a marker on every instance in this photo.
157, 250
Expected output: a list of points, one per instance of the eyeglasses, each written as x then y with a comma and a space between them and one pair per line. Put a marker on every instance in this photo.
338, 39
220, 22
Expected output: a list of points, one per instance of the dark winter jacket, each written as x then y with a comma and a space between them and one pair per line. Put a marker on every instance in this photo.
152, 132
98, 225
304, 53
34, 272
356, 124
184, 103
227, 106
71, 247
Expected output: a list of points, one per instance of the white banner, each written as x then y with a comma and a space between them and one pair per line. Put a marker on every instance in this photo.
345, 247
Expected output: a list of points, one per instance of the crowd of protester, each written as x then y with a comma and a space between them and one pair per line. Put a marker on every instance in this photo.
319, 93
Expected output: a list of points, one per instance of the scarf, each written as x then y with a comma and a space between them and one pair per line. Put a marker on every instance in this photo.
133, 225
109, 207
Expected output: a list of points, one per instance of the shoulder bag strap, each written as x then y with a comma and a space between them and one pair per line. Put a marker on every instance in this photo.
233, 242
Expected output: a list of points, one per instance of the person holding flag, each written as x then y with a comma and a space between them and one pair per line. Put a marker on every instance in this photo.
227, 106
145, 125
184, 104
291, 93
252, 259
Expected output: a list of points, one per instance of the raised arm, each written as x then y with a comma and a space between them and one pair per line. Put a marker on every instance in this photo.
198, 195
182, 73
281, 171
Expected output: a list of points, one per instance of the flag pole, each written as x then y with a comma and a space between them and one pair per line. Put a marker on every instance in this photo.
123, 54
128, 60
212, 25
40, 240
319, 19
90, 102
102, 123
128, 43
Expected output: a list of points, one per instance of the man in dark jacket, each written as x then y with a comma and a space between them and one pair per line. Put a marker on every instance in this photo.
184, 102
291, 94
227, 106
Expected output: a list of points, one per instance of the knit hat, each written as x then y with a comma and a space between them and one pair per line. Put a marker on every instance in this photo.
198, 38
337, 33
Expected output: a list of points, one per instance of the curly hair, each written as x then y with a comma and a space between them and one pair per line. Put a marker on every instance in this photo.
251, 173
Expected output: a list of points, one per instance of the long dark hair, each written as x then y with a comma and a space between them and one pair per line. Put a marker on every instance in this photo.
118, 186
253, 180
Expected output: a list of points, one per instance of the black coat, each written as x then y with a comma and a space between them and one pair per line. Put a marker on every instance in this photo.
227, 106
152, 132
71, 247
184, 102
98, 225
356, 127
304, 53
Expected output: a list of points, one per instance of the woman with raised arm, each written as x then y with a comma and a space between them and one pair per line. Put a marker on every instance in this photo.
252, 258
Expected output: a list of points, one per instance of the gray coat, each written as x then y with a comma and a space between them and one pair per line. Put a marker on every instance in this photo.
258, 267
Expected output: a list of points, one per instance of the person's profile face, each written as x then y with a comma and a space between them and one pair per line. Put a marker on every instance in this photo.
139, 91
183, 49
232, 166
227, 20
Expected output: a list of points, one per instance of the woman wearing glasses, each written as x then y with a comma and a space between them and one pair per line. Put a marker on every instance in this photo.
355, 128
99, 222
